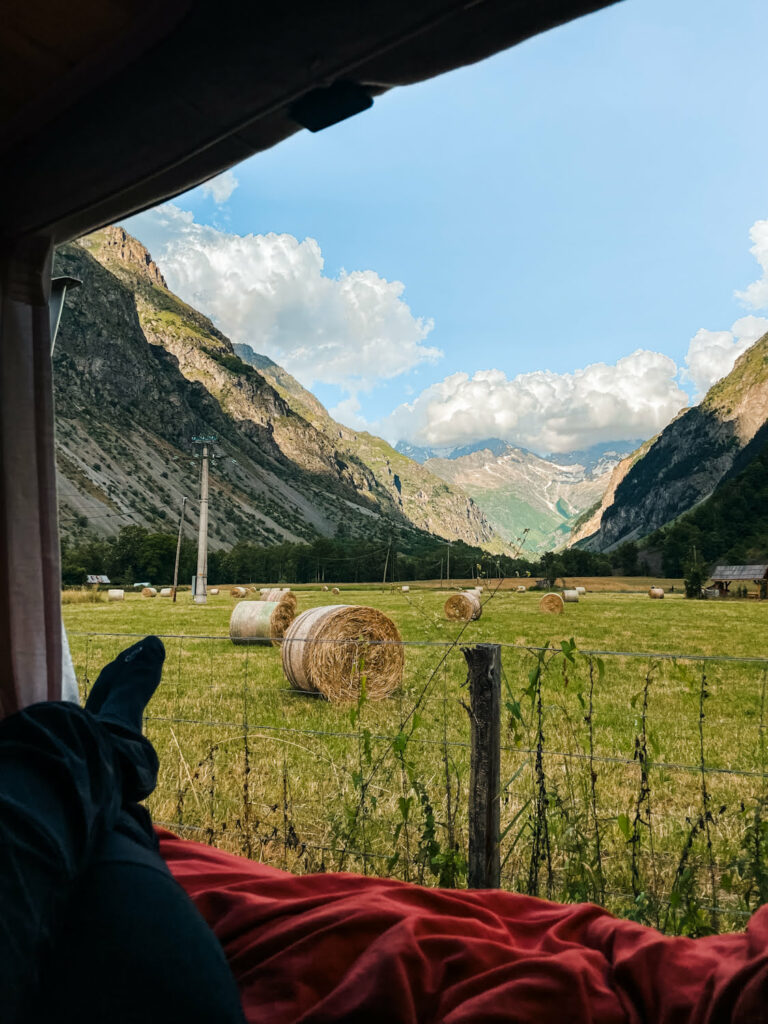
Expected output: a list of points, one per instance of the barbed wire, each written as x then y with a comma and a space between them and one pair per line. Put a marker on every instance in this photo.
531, 648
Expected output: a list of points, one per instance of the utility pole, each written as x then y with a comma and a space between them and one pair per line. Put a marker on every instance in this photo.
201, 577
386, 563
178, 550
448, 568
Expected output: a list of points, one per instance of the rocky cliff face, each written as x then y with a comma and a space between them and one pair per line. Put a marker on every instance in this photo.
138, 373
685, 463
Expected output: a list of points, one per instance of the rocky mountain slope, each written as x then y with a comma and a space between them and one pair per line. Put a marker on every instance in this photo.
138, 373
687, 461
518, 489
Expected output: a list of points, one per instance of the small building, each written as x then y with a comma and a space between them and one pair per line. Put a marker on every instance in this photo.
724, 575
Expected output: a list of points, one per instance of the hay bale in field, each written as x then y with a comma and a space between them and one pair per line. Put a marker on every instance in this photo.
657, 593
115, 595
238, 592
260, 622
571, 596
552, 604
520, 589
405, 590
148, 592
479, 590
214, 591
335, 590
166, 592
285, 597
325, 588
328, 649
464, 607
580, 590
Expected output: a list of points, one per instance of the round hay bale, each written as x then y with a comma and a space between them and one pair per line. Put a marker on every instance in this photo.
581, 590
166, 592
552, 604
479, 590
148, 592
464, 607
285, 597
405, 589
238, 592
326, 650
335, 590
325, 588
657, 593
520, 589
115, 595
259, 622
571, 596
214, 591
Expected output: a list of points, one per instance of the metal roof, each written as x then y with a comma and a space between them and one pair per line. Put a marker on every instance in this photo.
740, 572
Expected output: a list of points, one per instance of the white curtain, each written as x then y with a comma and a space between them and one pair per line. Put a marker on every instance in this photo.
30, 597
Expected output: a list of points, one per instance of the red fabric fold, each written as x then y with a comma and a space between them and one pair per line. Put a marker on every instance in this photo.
339, 947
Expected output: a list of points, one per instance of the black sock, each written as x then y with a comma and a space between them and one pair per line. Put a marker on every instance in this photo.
125, 686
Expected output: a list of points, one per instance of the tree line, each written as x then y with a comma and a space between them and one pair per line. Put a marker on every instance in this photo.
138, 555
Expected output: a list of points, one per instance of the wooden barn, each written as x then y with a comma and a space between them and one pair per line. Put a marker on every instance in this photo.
724, 575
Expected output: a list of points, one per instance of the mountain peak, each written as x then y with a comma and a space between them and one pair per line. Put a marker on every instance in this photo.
115, 242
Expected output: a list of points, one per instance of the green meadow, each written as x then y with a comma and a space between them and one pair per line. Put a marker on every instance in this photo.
630, 779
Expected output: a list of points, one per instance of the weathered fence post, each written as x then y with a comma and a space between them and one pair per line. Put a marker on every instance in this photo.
484, 663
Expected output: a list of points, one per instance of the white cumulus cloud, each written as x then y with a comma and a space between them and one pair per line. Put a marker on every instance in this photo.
711, 354
558, 412
271, 292
756, 294
221, 187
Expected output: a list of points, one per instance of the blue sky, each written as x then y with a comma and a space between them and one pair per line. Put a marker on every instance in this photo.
572, 200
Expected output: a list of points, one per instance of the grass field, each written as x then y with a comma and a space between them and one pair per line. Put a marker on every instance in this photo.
603, 795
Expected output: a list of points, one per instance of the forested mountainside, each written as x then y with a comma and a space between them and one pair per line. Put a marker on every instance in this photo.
139, 373
729, 527
691, 457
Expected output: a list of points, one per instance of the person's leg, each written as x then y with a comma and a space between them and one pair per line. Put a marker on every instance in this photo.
63, 778
135, 950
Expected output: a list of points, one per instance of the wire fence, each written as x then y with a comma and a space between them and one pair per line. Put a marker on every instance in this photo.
637, 781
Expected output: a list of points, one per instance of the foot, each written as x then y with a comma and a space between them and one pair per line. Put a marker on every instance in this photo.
125, 686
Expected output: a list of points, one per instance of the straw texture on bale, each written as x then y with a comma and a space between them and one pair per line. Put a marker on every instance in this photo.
464, 607
238, 591
571, 596
213, 590
115, 595
166, 592
551, 603
281, 597
581, 590
656, 592
328, 649
259, 622
148, 592
520, 590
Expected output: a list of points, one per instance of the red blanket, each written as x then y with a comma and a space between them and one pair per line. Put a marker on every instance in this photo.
323, 948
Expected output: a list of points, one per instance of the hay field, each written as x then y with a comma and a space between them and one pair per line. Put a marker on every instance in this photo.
603, 796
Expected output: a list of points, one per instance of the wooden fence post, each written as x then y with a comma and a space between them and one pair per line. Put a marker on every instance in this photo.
484, 663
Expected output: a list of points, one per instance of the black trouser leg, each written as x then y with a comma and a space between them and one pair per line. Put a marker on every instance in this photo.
135, 950
60, 793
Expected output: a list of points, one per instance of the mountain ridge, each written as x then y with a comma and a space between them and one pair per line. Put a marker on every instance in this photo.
138, 372
686, 462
